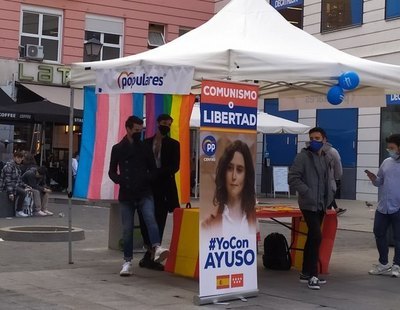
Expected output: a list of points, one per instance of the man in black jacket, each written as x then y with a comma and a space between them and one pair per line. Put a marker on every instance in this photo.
166, 152
132, 166
35, 178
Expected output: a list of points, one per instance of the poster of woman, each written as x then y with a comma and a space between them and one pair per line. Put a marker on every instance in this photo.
228, 138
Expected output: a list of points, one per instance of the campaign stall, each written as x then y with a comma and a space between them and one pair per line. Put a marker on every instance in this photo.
247, 41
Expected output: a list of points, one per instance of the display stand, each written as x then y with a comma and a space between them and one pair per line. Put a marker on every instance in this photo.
280, 180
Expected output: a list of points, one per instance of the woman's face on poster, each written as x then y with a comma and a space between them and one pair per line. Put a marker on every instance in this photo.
235, 176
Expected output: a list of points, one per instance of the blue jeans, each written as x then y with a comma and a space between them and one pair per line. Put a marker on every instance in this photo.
146, 206
381, 224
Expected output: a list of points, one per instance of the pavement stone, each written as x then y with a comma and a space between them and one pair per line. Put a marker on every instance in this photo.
37, 275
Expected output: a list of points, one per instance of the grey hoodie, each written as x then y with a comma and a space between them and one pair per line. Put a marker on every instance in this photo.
311, 176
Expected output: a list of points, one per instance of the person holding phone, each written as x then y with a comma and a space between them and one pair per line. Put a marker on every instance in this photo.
388, 212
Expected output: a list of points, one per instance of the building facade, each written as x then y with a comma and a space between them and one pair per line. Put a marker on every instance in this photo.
39, 39
363, 28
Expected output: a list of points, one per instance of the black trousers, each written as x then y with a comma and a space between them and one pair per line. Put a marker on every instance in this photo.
160, 213
314, 237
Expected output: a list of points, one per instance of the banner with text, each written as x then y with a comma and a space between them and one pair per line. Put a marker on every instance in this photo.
228, 135
145, 79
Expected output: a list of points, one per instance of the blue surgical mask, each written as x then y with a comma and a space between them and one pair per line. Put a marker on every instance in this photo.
315, 145
393, 154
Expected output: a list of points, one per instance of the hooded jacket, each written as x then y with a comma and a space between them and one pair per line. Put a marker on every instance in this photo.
10, 178
313, 184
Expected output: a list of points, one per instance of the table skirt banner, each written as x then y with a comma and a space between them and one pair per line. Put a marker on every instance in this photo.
299, 236
184, 248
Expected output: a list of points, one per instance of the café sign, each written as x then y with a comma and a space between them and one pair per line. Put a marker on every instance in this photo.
40, 73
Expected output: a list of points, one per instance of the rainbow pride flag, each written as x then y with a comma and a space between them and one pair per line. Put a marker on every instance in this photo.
104, 125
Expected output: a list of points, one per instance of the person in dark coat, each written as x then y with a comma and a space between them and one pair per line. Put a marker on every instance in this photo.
166, 153
311, 176
132, 167
35, 178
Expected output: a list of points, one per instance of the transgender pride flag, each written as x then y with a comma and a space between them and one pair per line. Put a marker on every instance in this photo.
104, 119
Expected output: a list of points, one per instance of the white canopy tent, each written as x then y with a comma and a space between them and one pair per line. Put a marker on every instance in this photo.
248, 40
266, 123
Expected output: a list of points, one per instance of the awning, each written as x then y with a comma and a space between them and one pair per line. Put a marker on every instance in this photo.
5, 99
58, 95
40, 111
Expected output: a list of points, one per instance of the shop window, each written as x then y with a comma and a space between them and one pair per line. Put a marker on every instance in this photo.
392, 9
156, 36
109, 31
390, 124
339, 14
292, 12
41, 30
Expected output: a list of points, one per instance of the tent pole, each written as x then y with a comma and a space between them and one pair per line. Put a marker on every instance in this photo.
196, 188
70, 150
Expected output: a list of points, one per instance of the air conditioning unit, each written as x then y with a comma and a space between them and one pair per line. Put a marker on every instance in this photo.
34, 52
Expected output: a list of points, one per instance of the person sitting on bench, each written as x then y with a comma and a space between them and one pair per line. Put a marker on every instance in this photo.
35, 178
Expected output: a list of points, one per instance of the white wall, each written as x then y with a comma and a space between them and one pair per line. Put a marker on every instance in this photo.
378, 40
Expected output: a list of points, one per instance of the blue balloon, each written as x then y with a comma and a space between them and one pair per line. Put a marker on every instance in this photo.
349, 80
335, 95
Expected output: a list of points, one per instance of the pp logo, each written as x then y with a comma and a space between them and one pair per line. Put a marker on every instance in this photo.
209, 145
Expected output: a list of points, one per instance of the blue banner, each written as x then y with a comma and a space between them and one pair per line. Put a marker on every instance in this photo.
283, 4
225, 116
393, 99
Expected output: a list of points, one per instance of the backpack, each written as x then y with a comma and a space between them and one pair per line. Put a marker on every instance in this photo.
276, 252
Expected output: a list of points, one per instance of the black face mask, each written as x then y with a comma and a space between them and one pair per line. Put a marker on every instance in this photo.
136, 137
164, 130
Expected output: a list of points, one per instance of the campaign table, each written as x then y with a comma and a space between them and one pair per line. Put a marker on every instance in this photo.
184, 248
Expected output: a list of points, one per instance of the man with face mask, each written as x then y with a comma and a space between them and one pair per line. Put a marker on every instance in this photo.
311, 176
388, 212
132, 166
166, 153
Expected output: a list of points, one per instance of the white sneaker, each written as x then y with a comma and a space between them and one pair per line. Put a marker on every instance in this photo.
126, 270
395, 271
48, 212
40, 213
313, 283
160, 254
380, 269
21, 214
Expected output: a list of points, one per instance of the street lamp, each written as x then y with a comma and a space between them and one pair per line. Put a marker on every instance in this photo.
93, 48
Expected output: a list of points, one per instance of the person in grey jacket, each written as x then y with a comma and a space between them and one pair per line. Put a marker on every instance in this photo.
337, 173
311, 176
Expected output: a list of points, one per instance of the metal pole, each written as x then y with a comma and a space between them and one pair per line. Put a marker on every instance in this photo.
196, 188
42, 142
70, 147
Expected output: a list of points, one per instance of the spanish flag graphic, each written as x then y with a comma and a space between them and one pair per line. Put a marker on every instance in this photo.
223, 281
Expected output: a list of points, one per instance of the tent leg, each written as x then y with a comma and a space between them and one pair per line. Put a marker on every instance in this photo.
196, 188
70, 150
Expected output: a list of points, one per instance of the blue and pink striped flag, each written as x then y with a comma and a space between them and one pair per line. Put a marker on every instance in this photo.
104, 119
104, 125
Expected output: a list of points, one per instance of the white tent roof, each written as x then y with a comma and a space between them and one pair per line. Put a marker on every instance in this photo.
248, 40
266, 123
